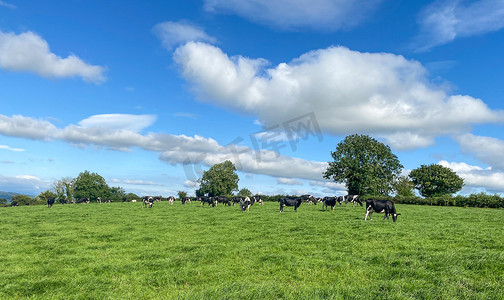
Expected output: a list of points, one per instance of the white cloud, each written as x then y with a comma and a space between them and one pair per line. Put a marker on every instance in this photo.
192, 152
487, 149
444, 21
191, 184
134, 123
176, 33
325, 15
332, 186
289, 181
28, 52
27, 184
477, 177
348, 91
5, 147
8, 5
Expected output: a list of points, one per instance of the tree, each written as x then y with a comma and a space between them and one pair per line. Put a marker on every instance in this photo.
181, 194
90, 185
116, 193
435, 180
131, 196
366, 166
22, 199
3, 201
403, 186
220, 179
44, 196
64, 187
245, 192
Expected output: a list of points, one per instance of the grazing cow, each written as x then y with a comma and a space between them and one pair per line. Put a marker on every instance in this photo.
209, 200
148, 201
236, 199
309, 199
245, 203
290, 201
158, 198
63, 201
123, 199
222, 199
83, 200
98, 200
50, 202
354, 199
258, 199
14, 203
186, 200
108, 200
329, 201
170, 199
380, 206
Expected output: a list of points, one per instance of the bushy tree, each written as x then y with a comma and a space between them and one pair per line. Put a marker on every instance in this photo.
64, 187
44, 196
116, 193
22, 200
435, 180
245, 192
181, 194
220, 179
366, 166
404, 187
131, 196
90, 185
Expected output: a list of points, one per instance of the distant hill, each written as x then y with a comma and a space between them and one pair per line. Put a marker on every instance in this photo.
7, 195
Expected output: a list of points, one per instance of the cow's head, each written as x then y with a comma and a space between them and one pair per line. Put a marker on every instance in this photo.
394, 217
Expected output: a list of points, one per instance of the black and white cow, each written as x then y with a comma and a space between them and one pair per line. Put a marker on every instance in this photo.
290, 201
83, 200
222, 199
245, 203
63, 201
329, 201
50, 202
309, 199
258, 199
380, 206
14, 203
98, 200
147, 201
185, 200
209, 200
354, 199
171, 199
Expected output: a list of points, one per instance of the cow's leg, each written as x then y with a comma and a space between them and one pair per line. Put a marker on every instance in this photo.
368, 213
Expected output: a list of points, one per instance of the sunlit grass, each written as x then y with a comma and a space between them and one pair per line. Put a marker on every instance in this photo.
124, 251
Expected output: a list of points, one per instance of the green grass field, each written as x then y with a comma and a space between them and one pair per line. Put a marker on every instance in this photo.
124, 251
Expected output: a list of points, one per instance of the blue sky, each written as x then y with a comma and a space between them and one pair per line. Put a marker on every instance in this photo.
149, 94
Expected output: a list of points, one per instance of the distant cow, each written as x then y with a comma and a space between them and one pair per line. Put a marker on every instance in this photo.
83, 200
185, 200
209, 200
258, 199
222, 199
381, 206
245, 203
147, 201
14, 203
290, 201
63, 201
309, 199
170, 199
50, 202
354, 199
329, 201
98, 200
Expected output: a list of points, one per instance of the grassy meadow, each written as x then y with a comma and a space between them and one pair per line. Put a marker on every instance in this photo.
124, 251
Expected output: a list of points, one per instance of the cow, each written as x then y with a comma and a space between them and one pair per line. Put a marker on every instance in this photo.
245, 203
147, 201
222, 199
83, 200
158, 198
98, 200
290, 201
134, 200
63, 201
209, 200
380, 206
186, 200
329, 201
309, 199
170, 199
50, 202
14, 203
354, 199
258, 199
236, 199
108, 200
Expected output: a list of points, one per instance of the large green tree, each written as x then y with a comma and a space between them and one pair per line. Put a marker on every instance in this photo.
90, 185
366, 166
220, 179
64, 187
403, 186
435, 180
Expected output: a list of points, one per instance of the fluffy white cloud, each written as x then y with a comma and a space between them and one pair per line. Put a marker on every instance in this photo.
325, 15
175, 33
348, 91
23, 184
477, 177
443, 21
331, 186
28, 52
487, 149
135, 123
289, 181
192, 152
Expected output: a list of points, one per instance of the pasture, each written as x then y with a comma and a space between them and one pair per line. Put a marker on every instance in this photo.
124, 251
